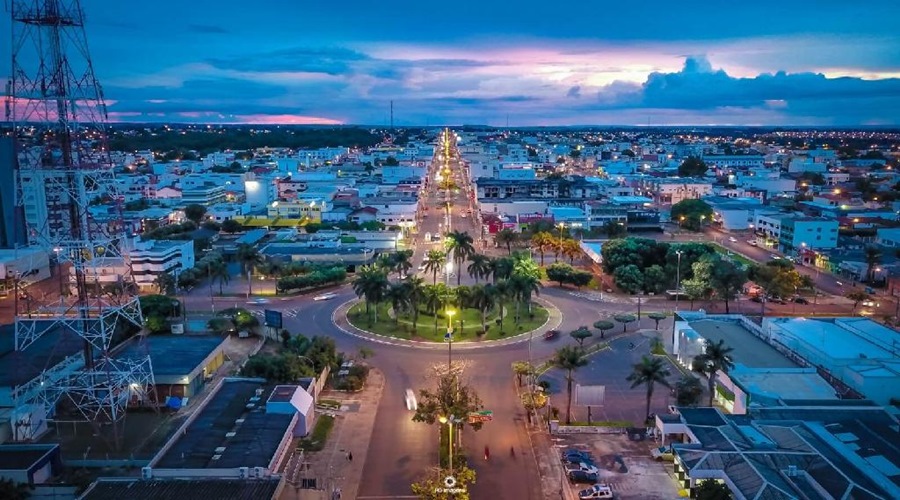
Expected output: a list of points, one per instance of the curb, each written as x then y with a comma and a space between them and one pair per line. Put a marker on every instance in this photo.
554, 317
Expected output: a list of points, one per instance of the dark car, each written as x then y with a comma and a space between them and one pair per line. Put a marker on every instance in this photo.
577, 459
756, 298
551, 334
800, 300
580, 476
575, 453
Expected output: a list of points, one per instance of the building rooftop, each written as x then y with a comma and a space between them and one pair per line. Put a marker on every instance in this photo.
23, 456
19, 367
228, 433
781, 384
843, 338
172, 354
179, 489
748, 349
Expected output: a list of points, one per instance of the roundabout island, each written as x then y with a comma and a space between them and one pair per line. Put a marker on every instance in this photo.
467, 324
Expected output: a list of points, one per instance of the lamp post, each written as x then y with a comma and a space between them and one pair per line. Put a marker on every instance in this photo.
449, 422
450, 313
677, 295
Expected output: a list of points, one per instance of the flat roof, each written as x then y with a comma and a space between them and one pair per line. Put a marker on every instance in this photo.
178, 489
23, 456
783, 384
282, 393
832, 337
19, 367
748, 349
253, 444
172, 354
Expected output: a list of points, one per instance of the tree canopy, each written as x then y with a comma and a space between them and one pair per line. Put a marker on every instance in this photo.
692, 167
691, 213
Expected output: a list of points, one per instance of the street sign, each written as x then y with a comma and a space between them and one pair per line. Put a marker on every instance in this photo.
273, 318
481, 416
448, 337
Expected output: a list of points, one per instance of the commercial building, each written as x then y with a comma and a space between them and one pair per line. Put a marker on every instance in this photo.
733, 214
305, 210
799, 233
151, 258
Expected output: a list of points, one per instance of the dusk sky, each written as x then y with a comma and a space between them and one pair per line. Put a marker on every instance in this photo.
561, 62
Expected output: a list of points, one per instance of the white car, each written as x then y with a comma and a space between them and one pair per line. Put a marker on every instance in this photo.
325, 296
411, 403
259, 301
869, 303
596, 491
590, 469
732, 239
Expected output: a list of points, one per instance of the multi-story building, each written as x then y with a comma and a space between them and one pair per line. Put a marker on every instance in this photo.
799, 232
576, 188
732, 161
310, 210
206, 194
151, 258
669, 191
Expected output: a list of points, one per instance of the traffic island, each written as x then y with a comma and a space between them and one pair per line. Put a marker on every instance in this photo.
466, 324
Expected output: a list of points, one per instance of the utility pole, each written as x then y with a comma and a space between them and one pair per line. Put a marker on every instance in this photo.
677, 296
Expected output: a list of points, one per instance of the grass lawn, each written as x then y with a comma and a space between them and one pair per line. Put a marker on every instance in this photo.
466, 323
317, 438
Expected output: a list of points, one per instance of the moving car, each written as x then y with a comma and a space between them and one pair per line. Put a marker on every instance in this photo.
752, 243
551, 334
325, 296
869, 303
596, 491
259, 301
411, 403
580, 476
732, 239
800, 300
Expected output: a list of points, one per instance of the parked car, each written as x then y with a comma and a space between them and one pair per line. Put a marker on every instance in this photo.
662, 453
575, 455
580, 476
582, 466
596, 491
752, 243
551, 334
800, 300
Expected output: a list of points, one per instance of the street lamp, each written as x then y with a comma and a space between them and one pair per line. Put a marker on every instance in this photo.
677, 295
449, 421
450, 313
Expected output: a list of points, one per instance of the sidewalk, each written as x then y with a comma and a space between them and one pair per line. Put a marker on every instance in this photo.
351, 434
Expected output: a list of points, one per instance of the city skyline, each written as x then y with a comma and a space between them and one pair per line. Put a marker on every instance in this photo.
772, 63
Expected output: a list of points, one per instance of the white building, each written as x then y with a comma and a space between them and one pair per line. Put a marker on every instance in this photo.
151, 258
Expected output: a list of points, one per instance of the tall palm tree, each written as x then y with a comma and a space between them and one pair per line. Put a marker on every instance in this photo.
435, 260
249, 257
218, 271
462, 246
716, 357
523, 287
463, 300
873, 258
569, 359
649, 372
479, 266
385, 261
483, 298
415, 293
433, 298
402, 262
542, 241
506, 237
370, 284
503, 290
396, 294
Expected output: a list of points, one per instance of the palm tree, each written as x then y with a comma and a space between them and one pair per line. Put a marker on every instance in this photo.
569, 359
396, 294
502, 268
523, 286
649, 372
462, 246
542, 241
218, 271
483, 298
370, 284
506, 237
249, 257
873, 258
435, 260
479, 266
715, 358
433, 298
402, 262
164, 282
415, 293
463, 299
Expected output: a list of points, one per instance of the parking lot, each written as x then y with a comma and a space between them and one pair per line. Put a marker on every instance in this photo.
625, 465
610, 368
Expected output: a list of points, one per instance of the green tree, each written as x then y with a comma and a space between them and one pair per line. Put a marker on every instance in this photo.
502, 268
692, 213
435, 260
523, 286
479, 266
194, 213
873, 257
402, 262
370, 284
692, 167
231, 226
560, 272
614, 229
776, 278
580, 335
434, 299
450, 397
657, 317
604, 325
695, 289
711, 489
857, 297
688, 390
726, 278
716, 357
542, 242
625, 319
390, 161
396, 294
156, 324
415, 295
569, 359
462, 246
522, 369
165, 283
649, 372
629, 278
249, 257
655, 279
483, 298
506, 237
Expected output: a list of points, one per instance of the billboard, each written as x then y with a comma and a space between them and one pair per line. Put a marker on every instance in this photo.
273, 318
